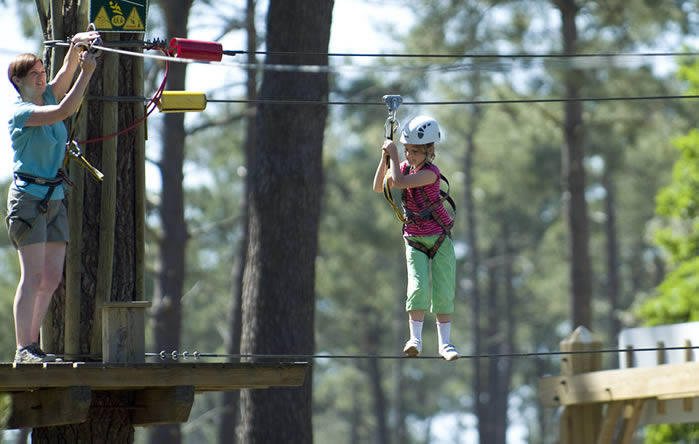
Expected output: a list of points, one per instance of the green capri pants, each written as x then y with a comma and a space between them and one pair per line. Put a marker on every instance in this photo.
436, 276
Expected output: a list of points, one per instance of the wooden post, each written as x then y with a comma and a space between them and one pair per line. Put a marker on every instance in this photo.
580, 423
628, 356
687, 402
660, 358
124, 332
609, 425
75, 223
48, 333
110, 121
140, 181
631, 418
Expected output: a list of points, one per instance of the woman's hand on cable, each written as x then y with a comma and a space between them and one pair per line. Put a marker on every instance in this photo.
82, 40
85, 37
88, 62
390, 149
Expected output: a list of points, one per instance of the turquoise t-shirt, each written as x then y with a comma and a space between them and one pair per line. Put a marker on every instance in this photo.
39, 150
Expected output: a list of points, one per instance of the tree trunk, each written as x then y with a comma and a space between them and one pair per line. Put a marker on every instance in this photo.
574, 177
284, 208
370, 332
167, 295
474, 262
231, 400
508, 346
109, 416
488, 424
398, 423
613, 281
355, 419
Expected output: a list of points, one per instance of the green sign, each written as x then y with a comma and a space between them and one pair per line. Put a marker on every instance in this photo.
119, 15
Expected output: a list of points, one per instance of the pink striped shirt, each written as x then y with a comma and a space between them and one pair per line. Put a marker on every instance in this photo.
414, 202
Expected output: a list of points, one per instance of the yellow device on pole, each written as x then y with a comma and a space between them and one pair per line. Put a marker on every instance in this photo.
391, 125
181, 102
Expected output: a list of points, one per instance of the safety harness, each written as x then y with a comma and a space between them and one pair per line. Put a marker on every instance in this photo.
429, 211
72, 150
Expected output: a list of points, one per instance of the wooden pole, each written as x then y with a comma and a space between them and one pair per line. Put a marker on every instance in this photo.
631, 418
75, 223
660, 357
687, 402
48, 333
110, 114
580, 423
57, 34
140, 181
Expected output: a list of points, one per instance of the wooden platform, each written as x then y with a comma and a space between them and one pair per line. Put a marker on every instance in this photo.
59, 393
669, 381
100, 376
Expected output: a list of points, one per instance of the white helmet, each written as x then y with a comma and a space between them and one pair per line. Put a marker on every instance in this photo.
420, 130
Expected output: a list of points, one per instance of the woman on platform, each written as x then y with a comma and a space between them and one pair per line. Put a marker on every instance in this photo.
37, 220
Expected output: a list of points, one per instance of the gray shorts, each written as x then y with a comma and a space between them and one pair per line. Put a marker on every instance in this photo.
27, 225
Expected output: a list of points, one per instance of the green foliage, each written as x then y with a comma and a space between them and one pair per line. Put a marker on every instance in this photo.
677, 296
673, 434
678, 209
679, 203
677, 299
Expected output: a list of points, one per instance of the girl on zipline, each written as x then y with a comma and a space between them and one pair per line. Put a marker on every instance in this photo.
429, 248
37, 220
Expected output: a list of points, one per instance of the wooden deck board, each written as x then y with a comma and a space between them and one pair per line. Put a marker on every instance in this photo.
101, 376
667, 381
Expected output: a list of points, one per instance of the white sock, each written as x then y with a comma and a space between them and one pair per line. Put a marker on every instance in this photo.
443, 331
416, 330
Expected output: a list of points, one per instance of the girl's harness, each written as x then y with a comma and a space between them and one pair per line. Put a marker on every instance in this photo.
428, 212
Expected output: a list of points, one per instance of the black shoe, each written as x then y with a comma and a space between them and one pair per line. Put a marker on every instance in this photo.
34, 347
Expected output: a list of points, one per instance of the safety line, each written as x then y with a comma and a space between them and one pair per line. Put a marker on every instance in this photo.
458, 102
471, 56
468, 102
197, 355
522, 55
270, 67
359, 68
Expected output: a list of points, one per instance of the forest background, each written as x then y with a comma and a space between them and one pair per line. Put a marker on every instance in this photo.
507, 168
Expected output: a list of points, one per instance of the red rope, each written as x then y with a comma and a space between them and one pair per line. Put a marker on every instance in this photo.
153, 103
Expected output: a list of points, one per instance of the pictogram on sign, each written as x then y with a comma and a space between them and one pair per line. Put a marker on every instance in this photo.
119, 15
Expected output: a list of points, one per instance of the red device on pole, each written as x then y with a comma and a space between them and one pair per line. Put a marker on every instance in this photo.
197, 49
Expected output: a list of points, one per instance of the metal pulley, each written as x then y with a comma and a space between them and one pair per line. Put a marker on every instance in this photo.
391, 125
